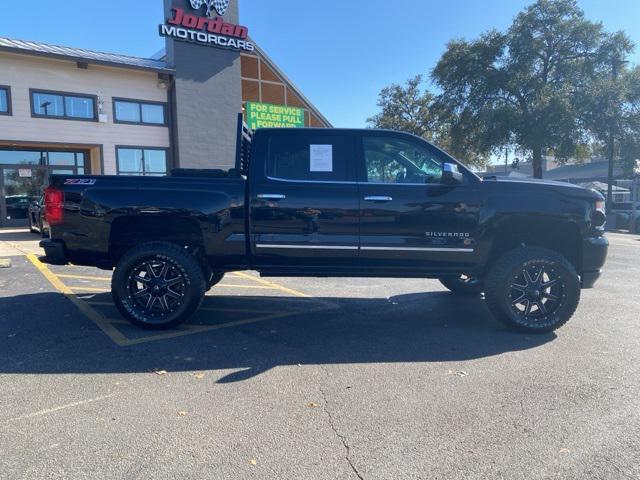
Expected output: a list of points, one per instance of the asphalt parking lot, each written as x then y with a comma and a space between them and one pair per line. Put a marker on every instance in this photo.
313, 379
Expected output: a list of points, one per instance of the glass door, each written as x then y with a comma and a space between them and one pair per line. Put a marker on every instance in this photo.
24, 174
20, 187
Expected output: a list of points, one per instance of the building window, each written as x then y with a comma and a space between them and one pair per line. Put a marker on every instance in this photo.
139, 112
142, 161
62, 162
68, 106
5, 100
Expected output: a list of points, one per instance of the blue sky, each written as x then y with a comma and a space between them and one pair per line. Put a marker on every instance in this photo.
340, 53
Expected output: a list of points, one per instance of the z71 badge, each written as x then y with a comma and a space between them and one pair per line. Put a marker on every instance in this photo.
80, 181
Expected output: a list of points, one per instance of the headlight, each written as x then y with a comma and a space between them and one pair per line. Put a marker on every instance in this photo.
599, 217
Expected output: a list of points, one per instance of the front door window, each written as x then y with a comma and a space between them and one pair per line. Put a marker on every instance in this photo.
395, 160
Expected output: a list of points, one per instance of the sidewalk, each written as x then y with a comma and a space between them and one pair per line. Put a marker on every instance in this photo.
16, 242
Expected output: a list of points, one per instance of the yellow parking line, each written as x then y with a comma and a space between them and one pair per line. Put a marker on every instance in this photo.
229, 285
85, 277
112, 332
108, 325
204, 328
89, 289
273, 285
204, 309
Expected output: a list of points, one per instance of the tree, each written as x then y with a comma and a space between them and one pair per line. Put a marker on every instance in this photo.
521, 84
406, 108
412, 108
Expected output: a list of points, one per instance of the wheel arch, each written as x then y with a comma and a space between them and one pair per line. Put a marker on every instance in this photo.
560, 235
130, 231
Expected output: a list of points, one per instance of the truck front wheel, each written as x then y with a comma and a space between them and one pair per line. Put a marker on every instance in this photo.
533, 289
158, 285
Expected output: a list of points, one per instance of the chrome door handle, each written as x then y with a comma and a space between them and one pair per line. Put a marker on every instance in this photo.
378, 199
271, 196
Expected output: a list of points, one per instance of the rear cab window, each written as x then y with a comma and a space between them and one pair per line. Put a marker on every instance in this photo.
310, 158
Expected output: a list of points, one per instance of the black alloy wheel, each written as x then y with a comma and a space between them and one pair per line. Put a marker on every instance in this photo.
158, 285
536, 292
533, 289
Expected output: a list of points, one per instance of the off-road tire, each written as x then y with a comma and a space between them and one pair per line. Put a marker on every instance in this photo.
180, 263
503, 276
456, 284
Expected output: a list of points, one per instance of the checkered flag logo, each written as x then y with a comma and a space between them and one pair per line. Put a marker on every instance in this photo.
221, 6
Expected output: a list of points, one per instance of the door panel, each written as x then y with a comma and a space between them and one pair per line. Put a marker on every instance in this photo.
408, 219
305, 210
420, 227
313, 224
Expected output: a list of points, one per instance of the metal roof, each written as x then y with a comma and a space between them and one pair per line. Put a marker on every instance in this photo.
81, 55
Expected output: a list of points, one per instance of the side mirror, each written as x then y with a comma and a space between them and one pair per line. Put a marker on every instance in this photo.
451, 175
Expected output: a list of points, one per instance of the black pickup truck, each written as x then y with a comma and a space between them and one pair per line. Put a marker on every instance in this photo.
332, 203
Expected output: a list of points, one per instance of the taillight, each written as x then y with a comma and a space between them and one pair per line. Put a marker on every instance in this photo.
53, 206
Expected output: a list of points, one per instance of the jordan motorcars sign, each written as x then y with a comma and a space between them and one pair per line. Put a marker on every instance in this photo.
207, 30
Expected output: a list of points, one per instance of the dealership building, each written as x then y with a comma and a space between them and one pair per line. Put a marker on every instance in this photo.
67, 110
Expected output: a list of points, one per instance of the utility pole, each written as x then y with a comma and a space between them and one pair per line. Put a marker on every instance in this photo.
635, 186
616, 62
506, 160
611, 152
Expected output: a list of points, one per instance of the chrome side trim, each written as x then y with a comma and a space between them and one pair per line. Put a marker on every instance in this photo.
271, 196
346, 247
378, 198
412, 249
308, 247
286, 180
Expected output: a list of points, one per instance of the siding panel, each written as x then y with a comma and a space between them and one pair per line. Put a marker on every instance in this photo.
24, 72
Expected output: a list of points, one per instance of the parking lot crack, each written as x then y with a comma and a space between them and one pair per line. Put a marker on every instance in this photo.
336, 432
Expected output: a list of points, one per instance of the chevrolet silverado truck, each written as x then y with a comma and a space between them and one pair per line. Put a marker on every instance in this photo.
332, 203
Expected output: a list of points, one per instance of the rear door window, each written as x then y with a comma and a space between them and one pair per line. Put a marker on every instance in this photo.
321, 158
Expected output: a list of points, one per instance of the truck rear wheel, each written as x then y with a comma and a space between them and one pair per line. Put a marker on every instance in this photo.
533, 290
158, 285
463, 284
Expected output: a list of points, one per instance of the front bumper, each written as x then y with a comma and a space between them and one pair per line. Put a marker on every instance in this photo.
54, 252
594, 256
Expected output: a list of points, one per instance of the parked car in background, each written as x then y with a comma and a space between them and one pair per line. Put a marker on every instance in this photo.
37, 222
626, 217
17, 207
